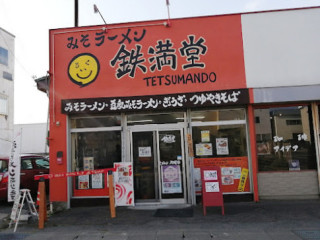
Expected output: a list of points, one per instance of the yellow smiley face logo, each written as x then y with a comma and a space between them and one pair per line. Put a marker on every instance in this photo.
83, 69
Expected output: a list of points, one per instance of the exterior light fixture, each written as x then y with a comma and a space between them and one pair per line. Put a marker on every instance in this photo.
96, 10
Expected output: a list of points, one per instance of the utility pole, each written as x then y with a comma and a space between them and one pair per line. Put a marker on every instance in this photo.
76, 12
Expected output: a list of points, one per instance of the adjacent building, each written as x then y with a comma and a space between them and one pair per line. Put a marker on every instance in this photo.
34, 138
238, 91
6, 91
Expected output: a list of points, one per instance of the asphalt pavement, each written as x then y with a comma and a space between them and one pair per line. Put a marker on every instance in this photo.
277, 220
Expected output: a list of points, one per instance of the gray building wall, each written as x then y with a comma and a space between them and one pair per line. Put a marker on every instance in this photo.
281, 48
33, 138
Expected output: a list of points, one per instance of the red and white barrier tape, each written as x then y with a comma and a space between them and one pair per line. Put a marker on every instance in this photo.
73, 174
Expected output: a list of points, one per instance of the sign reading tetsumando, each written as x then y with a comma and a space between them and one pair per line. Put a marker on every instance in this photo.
148, 58
158, 102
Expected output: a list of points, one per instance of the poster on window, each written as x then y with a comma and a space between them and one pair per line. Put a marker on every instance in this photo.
231, 172
123, 181
97, 181
171, 179
204, 149
237, 172
227, 175
294, 165
144, 151
222, 146
197, 179
205, 136
83, 182
88, 163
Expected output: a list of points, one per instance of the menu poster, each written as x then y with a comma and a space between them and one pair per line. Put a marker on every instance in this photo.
97, 180
88, 163
171, 179
145, 152
123, 181
227, 180
294, 165
237, 172
222, 146
205, 136
83, 182
210, 175
227, 175
204, 149
212, 186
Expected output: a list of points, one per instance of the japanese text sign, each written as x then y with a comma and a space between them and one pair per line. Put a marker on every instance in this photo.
148, 58
14, 168
159, 102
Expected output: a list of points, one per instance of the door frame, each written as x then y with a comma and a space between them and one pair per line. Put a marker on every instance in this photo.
156, 128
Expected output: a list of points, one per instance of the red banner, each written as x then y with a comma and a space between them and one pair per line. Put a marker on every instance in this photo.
233, 169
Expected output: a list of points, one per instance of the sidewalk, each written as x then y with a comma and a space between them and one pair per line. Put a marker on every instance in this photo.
283, 220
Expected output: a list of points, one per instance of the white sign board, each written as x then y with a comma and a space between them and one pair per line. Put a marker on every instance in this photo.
210, 175
123, 181
212, 187
144, 151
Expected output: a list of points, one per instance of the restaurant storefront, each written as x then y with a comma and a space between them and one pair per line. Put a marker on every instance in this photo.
169, 98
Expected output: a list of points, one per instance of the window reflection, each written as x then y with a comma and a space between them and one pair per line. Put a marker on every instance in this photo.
105, 121
141, 119
284, 139
95, 150
218, 115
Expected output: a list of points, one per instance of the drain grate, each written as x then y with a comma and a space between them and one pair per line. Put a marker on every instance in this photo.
308, 234
12, 236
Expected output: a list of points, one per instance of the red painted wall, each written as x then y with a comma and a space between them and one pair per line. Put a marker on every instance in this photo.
84, 63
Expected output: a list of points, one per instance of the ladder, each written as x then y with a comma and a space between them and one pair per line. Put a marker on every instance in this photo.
24, 195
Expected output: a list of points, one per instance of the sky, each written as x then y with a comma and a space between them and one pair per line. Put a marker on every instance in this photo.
30, 21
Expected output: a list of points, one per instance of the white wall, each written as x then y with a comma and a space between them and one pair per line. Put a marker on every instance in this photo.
33, 138
7, 91
282, 48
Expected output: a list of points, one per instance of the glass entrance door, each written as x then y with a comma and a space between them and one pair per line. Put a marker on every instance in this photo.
145, 166
158, 165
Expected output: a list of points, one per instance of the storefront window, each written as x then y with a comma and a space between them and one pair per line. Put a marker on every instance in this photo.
285, 140
226, 137
220, 140
94, 150
89, 122
218, 115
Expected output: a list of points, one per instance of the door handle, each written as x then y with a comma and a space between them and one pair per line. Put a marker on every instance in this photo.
41, 172
22, 174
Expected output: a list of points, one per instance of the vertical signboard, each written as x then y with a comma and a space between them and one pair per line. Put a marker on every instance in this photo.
123, 181
211, 188
14, 168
